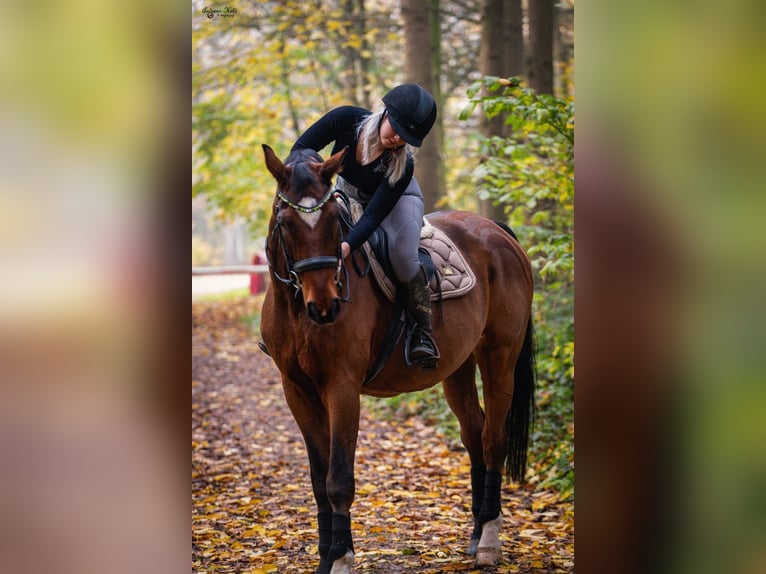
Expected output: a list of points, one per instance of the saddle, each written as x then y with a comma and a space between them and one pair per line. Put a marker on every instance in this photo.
448, 271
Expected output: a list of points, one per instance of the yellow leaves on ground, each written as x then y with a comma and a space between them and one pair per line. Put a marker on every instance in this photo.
265, 570
253, 509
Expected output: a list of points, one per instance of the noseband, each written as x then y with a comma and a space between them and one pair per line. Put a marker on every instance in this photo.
295, 268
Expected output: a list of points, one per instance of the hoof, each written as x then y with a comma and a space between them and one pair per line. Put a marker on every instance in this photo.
490, 551
473, 546
344, 564
488, 556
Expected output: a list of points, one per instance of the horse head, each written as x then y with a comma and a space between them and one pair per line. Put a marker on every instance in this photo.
305, 231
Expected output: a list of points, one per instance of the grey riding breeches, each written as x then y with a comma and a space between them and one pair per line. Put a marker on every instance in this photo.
402, 227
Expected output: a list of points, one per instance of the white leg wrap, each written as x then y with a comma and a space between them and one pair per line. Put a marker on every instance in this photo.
490, 551
344, 565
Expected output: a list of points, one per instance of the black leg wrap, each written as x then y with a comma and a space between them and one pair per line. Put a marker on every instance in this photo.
490, 508
477, 489
324, 520
341, 537
477, 499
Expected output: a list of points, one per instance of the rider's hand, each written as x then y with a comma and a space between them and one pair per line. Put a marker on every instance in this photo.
345, 249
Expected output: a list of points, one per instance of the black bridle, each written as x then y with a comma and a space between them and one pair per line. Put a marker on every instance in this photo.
295, 268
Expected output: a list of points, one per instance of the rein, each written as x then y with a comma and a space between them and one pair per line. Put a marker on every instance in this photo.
348, 221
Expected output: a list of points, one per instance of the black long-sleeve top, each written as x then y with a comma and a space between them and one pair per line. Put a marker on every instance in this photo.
339, 125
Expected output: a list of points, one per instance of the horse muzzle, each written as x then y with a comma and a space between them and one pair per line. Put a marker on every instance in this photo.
323, 314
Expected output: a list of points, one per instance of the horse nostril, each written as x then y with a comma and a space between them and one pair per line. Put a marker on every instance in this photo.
324, 315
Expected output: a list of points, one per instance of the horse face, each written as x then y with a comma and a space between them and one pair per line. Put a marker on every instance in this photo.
308, 222
316, 237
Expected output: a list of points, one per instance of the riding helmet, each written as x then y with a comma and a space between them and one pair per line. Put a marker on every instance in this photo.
411, 112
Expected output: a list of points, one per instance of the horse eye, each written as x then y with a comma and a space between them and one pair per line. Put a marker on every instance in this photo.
284, 216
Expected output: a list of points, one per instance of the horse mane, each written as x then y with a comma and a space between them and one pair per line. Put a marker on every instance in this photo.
303, 176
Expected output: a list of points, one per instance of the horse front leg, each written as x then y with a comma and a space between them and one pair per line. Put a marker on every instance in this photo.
329, 424
343, 407
318, 461
313, 422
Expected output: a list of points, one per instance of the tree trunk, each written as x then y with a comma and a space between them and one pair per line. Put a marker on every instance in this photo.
364, 56
500, 54
540, 62
350, 56
513, 38
422, 38
288, 87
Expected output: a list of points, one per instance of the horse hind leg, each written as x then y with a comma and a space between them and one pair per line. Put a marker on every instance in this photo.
463, 399
496, 364
344, 564
489, 551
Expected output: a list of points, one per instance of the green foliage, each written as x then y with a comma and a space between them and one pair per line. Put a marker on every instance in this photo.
231, 295
253, 320
263, 77
530, 172
202, 253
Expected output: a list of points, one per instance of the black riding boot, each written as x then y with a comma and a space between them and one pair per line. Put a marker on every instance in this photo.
422, 351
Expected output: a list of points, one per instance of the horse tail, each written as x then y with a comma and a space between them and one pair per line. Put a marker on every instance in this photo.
520, 418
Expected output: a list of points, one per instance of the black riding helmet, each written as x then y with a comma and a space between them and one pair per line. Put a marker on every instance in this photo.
411, 112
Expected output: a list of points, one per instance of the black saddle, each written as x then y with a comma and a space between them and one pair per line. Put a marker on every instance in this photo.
379, 244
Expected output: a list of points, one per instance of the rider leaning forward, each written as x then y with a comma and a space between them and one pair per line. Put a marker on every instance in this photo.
377, 171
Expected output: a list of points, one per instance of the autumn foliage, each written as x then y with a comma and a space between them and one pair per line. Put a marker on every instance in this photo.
253, 510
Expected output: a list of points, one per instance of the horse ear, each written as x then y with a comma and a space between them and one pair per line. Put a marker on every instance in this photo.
274, 164
333, 165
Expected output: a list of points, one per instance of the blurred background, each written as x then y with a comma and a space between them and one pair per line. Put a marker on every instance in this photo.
92, 476
670, 275
669, 312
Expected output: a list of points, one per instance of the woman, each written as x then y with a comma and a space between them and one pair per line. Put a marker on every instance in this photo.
377, 172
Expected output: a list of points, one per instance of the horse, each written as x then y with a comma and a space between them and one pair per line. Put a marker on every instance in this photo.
323, 323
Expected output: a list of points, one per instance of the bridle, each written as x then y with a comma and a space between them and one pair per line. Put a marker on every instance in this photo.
296, 268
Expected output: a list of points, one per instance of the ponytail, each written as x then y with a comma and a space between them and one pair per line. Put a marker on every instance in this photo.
368, 133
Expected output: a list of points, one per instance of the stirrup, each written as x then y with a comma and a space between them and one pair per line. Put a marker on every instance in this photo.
427, 363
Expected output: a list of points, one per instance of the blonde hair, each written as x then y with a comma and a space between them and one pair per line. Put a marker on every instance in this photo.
368, 133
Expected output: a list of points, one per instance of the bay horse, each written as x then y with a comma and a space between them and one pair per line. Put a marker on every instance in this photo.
323, 323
